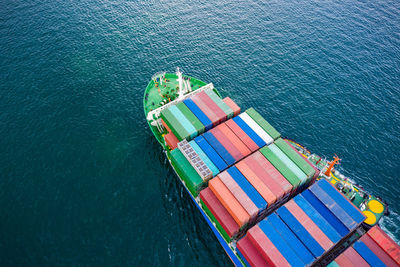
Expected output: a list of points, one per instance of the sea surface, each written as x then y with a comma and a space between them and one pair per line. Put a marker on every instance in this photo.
82, 180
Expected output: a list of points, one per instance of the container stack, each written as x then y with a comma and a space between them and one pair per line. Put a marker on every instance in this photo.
223, 146
303, 231
375, 248
194, 116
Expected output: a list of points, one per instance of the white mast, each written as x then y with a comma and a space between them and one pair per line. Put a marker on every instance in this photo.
179, 74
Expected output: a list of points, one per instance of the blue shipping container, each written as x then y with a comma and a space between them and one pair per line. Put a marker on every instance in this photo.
291, 240
317, 219
340, 228
211, 153
367, 254
219, 148
250, 191
333, 206
280, 244
313, 246
252, 134
198, 113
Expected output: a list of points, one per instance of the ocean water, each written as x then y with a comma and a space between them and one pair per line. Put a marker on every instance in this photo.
83, 181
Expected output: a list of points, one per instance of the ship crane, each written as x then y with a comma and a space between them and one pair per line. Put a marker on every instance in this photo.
335, 161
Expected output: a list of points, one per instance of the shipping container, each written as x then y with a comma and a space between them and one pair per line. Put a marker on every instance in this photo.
231, 136
227, 144
257, 183
185, 170
191, 118
289, 163
211, 153
385, 242
275, 188
198, 113
367, 254
250, 144
235, 108
266, 248
317, 218
239, 194
309, 225
301, 233
333, 264
221, 104
205, 109
339, 227
184, 121
344, 202
333, 206
226, 198
272, 172
343, 261
279, 243
355, 258
250, 132
295, 157
174, 125
246, 186
213, 107
204, 158
263, 123
281, 167
256, 128
291, 239
219, 148
171, 140
249, 253
165, 126
378, 251
219, 214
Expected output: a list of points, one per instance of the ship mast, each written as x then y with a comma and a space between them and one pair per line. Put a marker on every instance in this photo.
179, 74
335, 160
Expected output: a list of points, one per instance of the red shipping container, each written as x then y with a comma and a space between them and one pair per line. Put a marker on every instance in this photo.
232, 105
242, 135
214, 107
257, 183
219, 212
309, 225
343, 261
385, 242
378, 251
165, 126
226, 198
239, 194
250, 253
266, 248
171, 140
355, 258
208, 112
227, 144
234, 139
275, 188
273, 172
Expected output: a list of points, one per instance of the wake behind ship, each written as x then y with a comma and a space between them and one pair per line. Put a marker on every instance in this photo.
268, 200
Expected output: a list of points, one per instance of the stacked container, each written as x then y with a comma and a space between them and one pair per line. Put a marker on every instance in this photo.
375, 248
302, 231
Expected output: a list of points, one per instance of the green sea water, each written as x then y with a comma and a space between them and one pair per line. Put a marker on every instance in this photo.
82, 179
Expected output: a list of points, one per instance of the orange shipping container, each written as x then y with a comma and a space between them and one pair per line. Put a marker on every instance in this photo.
234, 139
226, 198
242, 135
232, 105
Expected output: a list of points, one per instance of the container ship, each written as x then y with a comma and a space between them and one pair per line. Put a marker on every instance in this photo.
268, 200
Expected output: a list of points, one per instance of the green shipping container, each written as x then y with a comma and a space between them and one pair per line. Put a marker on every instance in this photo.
296, 158
263, 123
280, 166
177, 129
191, 117
221, 104
186, 172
